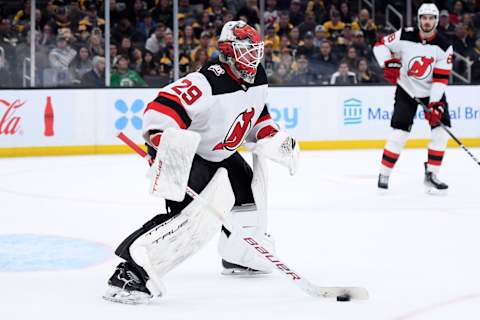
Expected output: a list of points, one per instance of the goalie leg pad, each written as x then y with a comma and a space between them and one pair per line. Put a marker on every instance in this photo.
165, 246
249, 220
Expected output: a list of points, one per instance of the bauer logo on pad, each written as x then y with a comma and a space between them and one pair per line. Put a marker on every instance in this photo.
352, 111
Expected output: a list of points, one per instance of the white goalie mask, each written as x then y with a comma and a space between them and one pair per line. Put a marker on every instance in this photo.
240, 47
428, 9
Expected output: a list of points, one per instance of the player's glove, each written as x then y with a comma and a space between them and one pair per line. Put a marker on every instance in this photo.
391, 71
434, 112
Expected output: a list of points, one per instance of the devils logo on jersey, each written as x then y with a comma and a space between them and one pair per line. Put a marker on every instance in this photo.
420, 67
240, 127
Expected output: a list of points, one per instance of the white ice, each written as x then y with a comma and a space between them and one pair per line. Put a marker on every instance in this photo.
417, 254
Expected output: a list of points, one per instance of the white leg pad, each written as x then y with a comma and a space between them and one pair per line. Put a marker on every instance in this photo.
167, 245
249, 221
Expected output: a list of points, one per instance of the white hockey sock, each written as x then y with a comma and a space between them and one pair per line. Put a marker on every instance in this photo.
436, 149
392, 150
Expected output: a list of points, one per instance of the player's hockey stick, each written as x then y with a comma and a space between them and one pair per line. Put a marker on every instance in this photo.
338, 293
417, 100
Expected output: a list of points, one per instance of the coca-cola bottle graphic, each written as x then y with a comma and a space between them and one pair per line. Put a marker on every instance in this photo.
48, 118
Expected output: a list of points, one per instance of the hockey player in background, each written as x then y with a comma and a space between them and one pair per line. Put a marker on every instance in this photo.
222, 104
421, 59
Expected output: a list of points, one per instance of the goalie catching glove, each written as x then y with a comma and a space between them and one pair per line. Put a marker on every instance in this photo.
281, 148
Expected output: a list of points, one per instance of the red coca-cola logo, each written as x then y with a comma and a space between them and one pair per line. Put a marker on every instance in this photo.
9, 122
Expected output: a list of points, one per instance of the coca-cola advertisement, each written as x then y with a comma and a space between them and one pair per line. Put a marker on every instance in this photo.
10, 118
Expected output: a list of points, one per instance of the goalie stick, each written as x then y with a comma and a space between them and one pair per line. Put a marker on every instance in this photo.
417, 100
338, 293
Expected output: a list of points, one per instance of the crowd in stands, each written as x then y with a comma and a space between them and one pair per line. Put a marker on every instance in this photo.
307, 42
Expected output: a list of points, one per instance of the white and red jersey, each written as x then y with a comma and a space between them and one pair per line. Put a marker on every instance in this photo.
224, 111
426, 63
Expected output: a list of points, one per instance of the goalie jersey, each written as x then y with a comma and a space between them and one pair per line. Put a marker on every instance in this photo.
224, 111
426, 63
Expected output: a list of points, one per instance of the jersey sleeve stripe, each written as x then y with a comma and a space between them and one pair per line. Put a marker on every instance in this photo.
171, 109
171, 97
444, 81
441, 71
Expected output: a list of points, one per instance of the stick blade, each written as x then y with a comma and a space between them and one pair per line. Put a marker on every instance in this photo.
348, 293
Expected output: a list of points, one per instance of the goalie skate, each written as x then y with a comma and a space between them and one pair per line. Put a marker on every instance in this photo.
232, 269
125, 286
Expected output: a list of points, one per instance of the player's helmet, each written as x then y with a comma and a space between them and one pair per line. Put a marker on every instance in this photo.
428, 8
241, 48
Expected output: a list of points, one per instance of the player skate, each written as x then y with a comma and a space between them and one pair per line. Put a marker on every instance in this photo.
383, 182
432, 184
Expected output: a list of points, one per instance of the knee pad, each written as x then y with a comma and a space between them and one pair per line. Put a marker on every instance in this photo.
249, 220
439, 139
396, 140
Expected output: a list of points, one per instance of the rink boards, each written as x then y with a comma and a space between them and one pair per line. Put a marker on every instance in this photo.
86, 121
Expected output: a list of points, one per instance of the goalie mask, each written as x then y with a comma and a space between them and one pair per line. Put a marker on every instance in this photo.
427, 9
240, 47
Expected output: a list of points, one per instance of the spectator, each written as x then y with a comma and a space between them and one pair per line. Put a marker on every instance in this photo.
271, 36
81, 64
137, 59
189, 12
95, 43
334, 26
147, 25
148, 68
308, 25
474, 56
271, 59
320, 36
444, 26
96, 77
250, 13
294, 38
307, 48
302, 75
205, 44
62, 55
461, 41
282, 75
326, 63
155, 43
296, 13
91, 20
47, 38
200, 57
364, 74
188, 41
113, 51
351, 58
457, 12
283, 27
5, 76
162, 13
367, 26
317, 7
343, 76
363, 49
271, 15
345, 14
126, 47
124, 77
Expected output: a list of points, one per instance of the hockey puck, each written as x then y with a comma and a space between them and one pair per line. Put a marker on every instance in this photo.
343, 297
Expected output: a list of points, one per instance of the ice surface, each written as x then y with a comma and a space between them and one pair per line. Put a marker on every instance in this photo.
417, 254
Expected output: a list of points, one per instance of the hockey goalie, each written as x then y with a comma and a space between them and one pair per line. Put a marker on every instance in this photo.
193, 130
